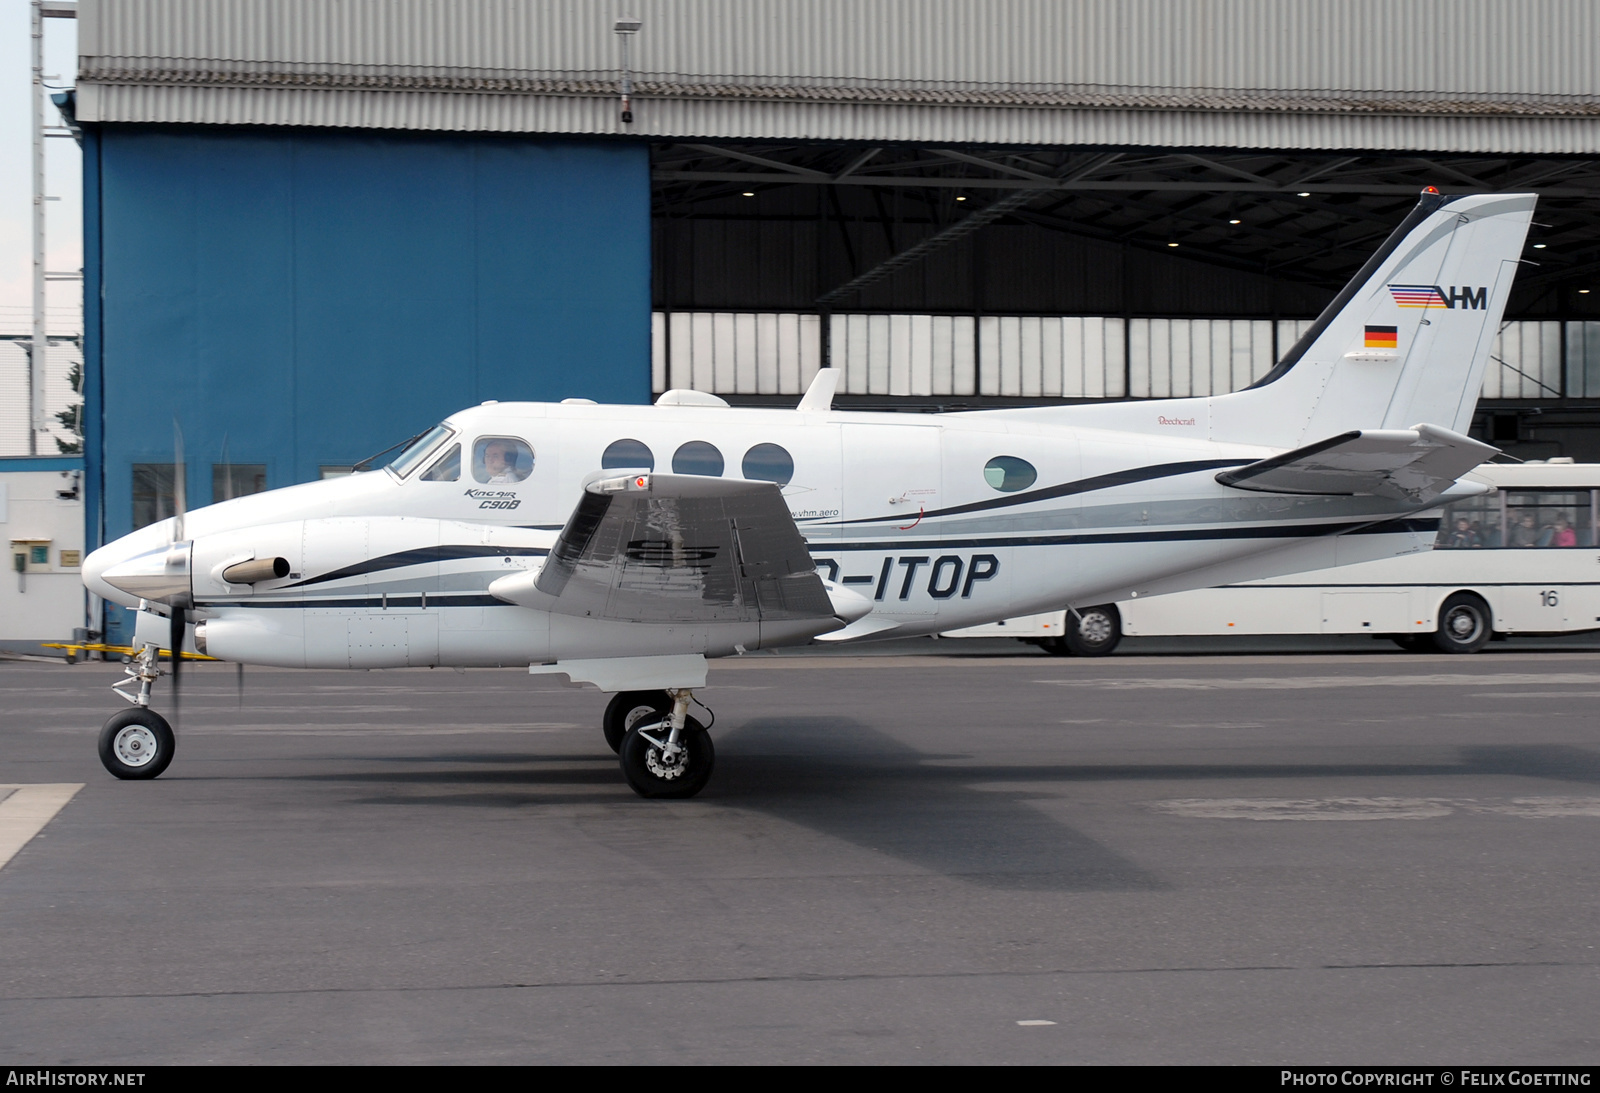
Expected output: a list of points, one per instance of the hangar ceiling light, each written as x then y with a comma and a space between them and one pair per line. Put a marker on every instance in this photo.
1311, 218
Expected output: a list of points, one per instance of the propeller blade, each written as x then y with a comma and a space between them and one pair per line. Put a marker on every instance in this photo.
180, 482
227, 473
180, 618
239, 675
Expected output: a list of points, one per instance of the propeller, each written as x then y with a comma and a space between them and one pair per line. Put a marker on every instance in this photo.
181, 602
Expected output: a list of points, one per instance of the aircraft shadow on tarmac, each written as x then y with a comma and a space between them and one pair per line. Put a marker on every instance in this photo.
848, 781
845, 780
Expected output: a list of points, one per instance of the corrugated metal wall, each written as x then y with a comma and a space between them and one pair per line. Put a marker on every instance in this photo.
1031, 356
59, 359
1435, 47
1376, 74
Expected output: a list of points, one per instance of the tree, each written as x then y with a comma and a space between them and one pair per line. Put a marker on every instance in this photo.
72, 417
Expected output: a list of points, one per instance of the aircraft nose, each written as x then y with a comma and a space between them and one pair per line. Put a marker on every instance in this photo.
160, 573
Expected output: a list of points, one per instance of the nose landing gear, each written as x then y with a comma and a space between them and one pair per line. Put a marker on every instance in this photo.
138, 743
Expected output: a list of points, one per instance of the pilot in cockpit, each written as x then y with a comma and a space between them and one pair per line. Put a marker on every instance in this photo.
503, 461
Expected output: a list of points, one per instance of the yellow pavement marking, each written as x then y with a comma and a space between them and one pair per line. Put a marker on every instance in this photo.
26, 809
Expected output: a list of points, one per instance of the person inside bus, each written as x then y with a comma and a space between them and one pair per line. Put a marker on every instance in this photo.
1463, 537
1526, 533
1563, 534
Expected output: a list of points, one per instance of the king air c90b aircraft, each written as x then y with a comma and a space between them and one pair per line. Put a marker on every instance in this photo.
624, 545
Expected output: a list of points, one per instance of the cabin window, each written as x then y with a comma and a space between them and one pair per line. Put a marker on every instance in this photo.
418, 450
501, 460
768, 463
627, 454
698, 457
447, 468
1008, 474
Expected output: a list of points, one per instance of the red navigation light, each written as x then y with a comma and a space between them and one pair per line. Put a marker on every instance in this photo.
1430, 189
639, 482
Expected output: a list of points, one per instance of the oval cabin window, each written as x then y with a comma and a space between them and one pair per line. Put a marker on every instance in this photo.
698, 457
1009, 474
768, 463
627, 454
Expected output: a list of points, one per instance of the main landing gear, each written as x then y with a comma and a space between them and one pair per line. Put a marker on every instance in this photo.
663, 751
138, 743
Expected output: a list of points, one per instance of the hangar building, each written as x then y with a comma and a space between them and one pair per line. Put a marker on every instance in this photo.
313, 228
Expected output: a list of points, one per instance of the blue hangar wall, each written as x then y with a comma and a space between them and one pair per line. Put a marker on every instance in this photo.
310, 296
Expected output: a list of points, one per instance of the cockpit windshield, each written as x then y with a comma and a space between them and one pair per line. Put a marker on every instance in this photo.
419, 449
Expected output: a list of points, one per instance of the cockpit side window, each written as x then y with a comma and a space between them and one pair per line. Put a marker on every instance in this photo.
447, 468
500, 460
419, 449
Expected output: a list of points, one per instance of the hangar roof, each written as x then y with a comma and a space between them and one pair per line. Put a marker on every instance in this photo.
1468, 76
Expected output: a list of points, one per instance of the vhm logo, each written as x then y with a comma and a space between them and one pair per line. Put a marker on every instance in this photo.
1474, 299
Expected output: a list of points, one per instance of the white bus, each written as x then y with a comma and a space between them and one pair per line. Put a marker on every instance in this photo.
1524, 559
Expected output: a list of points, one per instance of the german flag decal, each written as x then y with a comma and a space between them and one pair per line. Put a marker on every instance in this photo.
1383, 337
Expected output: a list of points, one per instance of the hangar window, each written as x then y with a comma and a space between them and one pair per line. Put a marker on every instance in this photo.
1009, 474
447, 468
768, 463
698, 457
154, 497
230, 480
500, 460
627, 455
418, 450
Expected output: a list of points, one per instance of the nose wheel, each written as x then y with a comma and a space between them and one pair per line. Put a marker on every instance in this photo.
137, 744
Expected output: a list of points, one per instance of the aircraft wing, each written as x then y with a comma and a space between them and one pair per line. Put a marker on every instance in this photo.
1415, 464
676, 548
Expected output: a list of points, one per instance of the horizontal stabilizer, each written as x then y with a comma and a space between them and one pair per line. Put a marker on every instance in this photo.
1416, 464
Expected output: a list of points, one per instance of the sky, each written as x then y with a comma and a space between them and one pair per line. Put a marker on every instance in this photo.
64, 218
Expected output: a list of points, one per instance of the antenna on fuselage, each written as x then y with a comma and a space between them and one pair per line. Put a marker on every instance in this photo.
818, 398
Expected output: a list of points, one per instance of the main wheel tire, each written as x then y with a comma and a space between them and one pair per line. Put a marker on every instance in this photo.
1094, 631
1465, 625
137, 744
648, 772
629, 708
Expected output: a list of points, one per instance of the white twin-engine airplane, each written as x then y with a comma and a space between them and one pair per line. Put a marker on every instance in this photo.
624, 545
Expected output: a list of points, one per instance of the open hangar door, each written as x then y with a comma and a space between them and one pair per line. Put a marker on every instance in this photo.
970, 276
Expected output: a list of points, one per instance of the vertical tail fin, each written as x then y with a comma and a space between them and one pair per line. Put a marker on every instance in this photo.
1407, 339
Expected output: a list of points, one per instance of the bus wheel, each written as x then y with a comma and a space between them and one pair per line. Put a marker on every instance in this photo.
1464, 625
1094, 632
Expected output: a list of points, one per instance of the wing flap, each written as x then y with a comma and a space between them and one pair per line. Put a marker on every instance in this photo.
1416, 464
677, 548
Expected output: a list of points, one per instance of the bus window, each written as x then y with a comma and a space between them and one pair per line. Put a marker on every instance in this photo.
1472, 523
1549, 518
